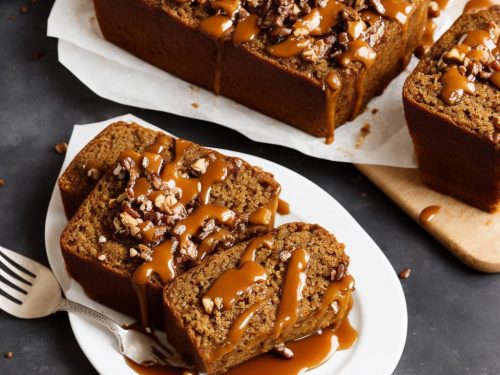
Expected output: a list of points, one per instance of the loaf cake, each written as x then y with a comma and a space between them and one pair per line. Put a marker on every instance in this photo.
313, 64
257, 295
452, 108
159, 210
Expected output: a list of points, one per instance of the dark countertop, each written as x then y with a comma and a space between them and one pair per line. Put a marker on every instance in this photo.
454, 325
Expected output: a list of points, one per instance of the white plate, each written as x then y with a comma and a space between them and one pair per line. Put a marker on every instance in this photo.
379, 312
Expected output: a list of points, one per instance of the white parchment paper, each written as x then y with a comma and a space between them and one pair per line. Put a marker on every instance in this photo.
114, 74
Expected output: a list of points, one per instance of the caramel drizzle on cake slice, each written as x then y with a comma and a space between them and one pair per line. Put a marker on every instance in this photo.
475, 56
166, 206
295, 281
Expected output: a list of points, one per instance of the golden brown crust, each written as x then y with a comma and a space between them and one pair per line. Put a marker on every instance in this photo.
455, 146
158, 34
197, 334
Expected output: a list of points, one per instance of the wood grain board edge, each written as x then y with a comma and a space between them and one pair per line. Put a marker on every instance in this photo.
469, 233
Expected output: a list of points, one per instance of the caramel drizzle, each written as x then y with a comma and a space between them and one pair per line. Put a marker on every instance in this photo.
428, 214
395, 9
454, 86
333, 85
209, 243
328, 17
290, 47
283, 207
267, 241
228, 6
234, 281
247, 29
495, 79
237, 330
216, 26
337, 291
262, 216
288, 311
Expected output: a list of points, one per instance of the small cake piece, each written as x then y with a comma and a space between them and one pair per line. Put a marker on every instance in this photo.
158, 212
95, 159
312, 64
452, 108
259, 294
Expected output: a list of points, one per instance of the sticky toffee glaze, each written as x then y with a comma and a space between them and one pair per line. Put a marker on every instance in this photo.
303, 35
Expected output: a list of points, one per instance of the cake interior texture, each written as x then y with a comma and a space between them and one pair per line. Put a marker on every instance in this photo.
285, 285
135, 223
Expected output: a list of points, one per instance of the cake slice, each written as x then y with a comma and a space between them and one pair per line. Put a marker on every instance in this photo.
95, 159
159, 210
312, 64
257, 295
452, 108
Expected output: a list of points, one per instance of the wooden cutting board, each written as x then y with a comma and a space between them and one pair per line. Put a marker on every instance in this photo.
469, 233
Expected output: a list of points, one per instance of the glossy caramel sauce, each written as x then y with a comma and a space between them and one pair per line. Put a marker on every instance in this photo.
234, 281
332, 91
398, 10
228, 6
455, 85
495, 79
296, 274
247, 29
328, 17
309, 353
428, 37
290, 47
262, 216
283, 207
443, 4
209, 243
267, 240
216, 26
428, 214
306, 24
358, 50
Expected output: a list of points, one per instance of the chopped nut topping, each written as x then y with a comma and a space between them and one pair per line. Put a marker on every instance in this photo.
333, 274
283, 351
335, 307
133, 252
102, 239
61, 148
285, 255
112, 203
218, 303
93, 173
208, 304
127, 220
102, 257
200, 166
404, 274
117, 170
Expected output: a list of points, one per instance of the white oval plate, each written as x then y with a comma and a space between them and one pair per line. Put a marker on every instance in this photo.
379, 312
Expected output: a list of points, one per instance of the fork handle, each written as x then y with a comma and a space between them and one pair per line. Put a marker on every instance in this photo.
70, 306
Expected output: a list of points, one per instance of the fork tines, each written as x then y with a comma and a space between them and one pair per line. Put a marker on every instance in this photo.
12, 275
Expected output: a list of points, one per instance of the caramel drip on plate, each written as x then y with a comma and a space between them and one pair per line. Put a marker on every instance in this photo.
295, 281
454, 86
475, 5
247, 29
332, 92
262, 216
267, 240
209, 243
234, 281
216, 26
309, 353
192, 224
428, 214
154, 370
290, 47
237, 330
283, 207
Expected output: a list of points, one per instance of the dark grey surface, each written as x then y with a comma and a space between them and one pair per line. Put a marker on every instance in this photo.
453, 311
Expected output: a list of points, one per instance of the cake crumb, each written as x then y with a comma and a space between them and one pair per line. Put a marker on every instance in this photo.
61, 148
363, 132
24, 9
374, 111
194, 88
405, 274
37, 55
2, 182
364, 195
12, 17
195, 105
9, 355
102, 257
489, 223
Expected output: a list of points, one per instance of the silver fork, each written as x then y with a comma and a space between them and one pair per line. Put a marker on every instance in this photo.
30, 290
